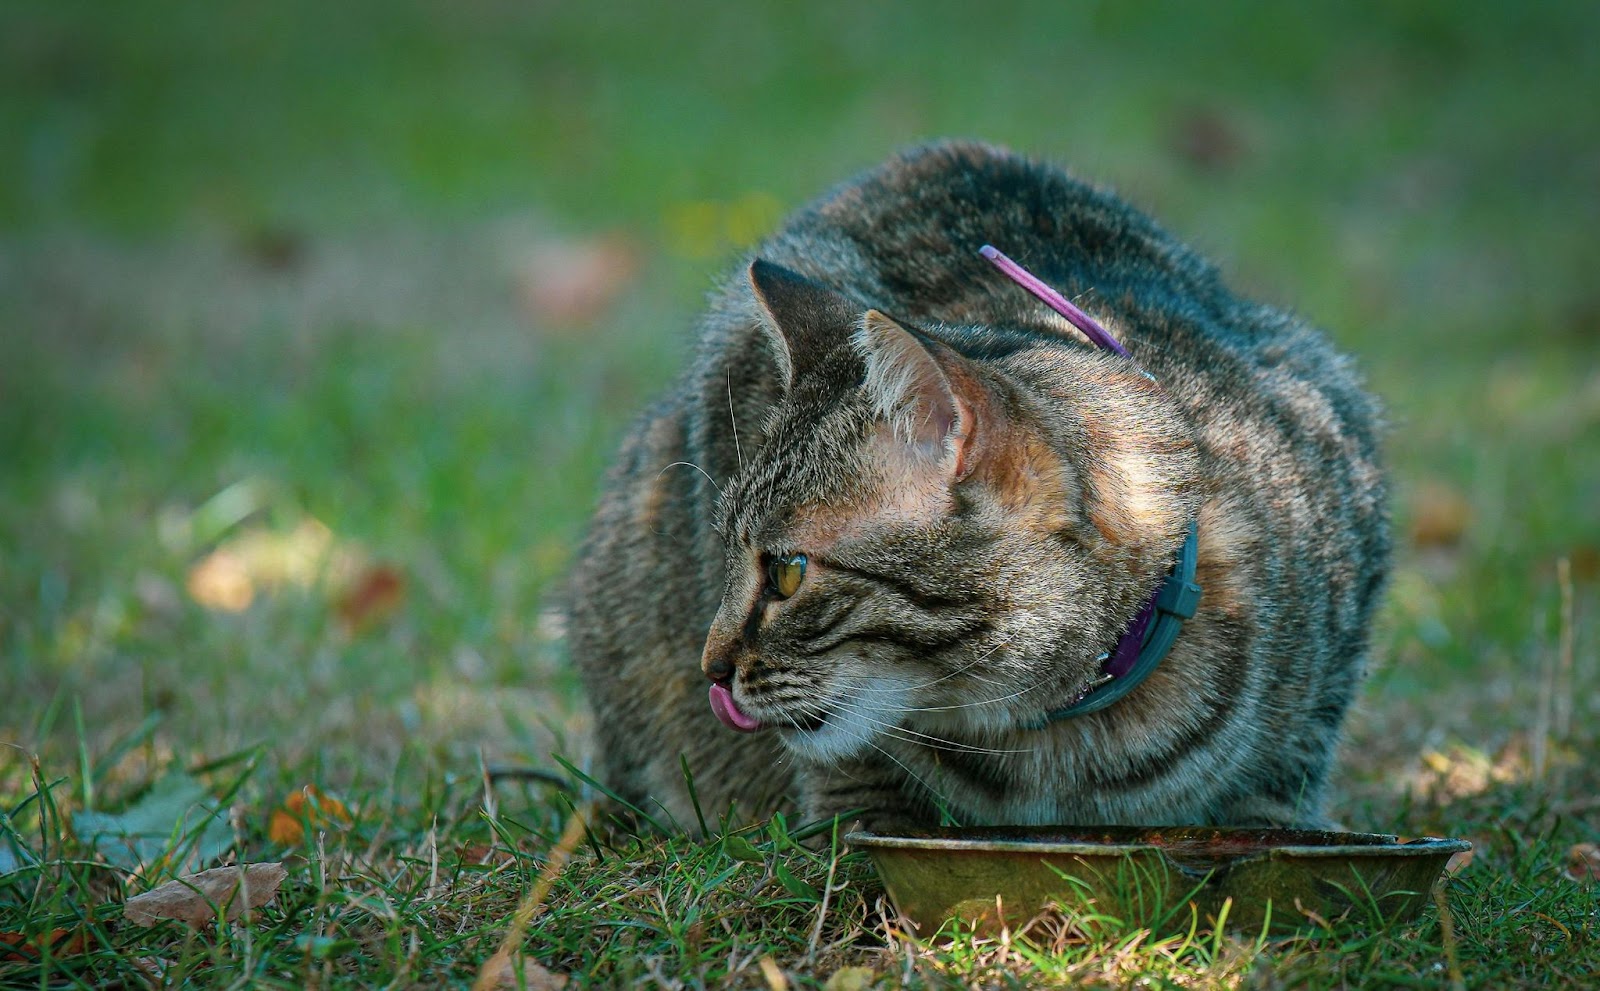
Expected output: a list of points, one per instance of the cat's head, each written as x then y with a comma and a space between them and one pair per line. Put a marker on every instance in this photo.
927, 543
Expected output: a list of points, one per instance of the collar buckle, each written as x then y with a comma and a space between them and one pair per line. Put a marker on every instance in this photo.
1154, 628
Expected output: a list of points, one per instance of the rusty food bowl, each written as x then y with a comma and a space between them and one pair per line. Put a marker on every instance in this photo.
1163, 878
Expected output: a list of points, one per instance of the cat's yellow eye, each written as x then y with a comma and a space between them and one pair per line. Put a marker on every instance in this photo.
785, 574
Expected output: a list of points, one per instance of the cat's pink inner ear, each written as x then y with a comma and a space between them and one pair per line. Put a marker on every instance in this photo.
912, 393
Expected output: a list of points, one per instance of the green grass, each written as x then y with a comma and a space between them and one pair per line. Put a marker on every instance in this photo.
263, 265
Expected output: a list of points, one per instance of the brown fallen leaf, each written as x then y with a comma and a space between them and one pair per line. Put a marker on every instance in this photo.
61, 943
481, 854
1440, 515
1583, 863
307, 806
501, 972
371, 597
274, 248
1207, 138
1459, 771
1585, 560
196, 898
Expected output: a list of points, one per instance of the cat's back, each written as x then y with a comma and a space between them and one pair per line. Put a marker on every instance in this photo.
905, 237
906, 234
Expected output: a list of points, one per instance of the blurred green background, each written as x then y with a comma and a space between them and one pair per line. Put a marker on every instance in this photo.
375, 286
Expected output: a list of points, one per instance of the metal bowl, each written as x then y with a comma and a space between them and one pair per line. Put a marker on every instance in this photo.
1163, 878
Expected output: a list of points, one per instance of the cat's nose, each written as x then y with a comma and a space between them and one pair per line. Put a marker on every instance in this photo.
717, 660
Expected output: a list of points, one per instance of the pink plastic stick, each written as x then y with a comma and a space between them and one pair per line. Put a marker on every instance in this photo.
1079, 319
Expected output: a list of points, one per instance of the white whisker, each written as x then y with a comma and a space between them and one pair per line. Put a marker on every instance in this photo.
976, 660
727, 376
691, 464
970, 705
906, 734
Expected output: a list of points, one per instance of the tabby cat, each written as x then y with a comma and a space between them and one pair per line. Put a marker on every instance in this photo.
898, 511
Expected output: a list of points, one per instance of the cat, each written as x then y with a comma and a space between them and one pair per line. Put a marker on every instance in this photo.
897, 511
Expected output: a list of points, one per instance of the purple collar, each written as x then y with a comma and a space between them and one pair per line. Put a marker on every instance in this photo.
1155, 626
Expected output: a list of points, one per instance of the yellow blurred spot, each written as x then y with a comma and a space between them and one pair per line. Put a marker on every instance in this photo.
692, 228
709, 228
751, 217
260, 560
221, 581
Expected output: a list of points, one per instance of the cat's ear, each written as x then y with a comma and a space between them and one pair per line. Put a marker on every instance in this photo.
914, 394
804, 320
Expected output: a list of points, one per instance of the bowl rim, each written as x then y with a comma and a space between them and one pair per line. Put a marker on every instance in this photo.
1353, 845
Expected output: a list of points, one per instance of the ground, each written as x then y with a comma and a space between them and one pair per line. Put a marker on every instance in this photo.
320, 323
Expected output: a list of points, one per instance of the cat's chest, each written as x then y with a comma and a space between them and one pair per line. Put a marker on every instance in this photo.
1031, 810
1011, 785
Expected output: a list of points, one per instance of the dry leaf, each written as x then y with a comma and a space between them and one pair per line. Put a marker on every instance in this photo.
276, 249
1460, 771
1440, 515
310, 805
196, 898
374, 595
501, 972
1207, 138
1585, 560
61, 943
1583, 863
776, 979
483, 854
284, 829
1459, 861
851, 979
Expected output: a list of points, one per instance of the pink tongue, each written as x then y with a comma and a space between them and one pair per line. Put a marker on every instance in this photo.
727, 710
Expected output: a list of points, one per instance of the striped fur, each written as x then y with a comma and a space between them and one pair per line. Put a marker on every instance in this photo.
984, 501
